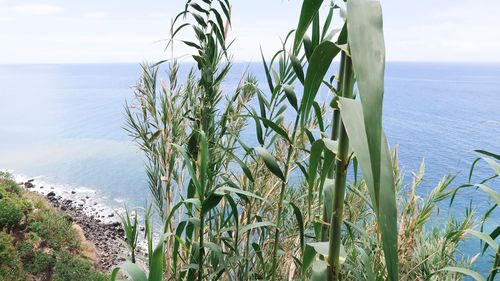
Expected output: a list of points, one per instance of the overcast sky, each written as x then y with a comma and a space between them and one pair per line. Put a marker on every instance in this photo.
93, 31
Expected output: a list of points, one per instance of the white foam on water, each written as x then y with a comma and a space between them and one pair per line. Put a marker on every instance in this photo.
91, 202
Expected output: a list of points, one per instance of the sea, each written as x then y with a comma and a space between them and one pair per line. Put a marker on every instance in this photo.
63, 126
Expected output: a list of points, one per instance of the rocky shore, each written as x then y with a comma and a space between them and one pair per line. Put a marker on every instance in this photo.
99, 226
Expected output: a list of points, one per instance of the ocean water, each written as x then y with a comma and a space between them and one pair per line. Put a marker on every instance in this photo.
63, 124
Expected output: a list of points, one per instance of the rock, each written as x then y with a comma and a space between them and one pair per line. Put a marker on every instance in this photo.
51, 194
73, 192
31, 180
111, 215
41, 187
29, 185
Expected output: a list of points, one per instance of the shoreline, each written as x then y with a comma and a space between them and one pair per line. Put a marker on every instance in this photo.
100, 227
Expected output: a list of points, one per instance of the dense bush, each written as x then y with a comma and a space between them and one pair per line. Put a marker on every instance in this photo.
34, 261
70, 268
10, 215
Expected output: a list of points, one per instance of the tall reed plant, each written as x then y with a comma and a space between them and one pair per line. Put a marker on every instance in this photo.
295, 207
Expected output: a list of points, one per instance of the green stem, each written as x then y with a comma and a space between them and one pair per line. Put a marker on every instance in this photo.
334, 135
341, 163
282, 195
247, 246
495, 267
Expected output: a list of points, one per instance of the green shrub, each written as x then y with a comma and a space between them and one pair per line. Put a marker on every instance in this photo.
10, 215
70, 268
54, 228
34, 261
10, 266
42, 263
26, 251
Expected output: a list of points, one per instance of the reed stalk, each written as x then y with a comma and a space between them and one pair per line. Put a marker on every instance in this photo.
281, 197
341, 164
334, 135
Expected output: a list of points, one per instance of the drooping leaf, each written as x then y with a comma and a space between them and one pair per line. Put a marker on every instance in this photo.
270, 162
465, 271
275, 127
487, 153
367, 48
485, 237
210, 202
319, 271
366, 42
495, 166
256, 225
135, 271
494, 234
319, 248
297, 67
319, 116
240, 192
492, 193
300, 222
384, 189
291, 96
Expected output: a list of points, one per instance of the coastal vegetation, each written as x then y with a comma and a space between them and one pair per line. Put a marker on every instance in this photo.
38, 242
321, 196
315, 193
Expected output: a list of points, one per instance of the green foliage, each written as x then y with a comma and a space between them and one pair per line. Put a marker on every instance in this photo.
488, 239
223, 223
48, 234
70, 268
131, 232
34, 261
10, 266
10, 215
54, 228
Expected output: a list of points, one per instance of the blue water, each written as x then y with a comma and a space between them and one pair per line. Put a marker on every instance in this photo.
64, 122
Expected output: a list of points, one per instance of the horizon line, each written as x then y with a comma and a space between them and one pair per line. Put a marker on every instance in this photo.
235, 62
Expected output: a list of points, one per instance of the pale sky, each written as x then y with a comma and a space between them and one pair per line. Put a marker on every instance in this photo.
104, 31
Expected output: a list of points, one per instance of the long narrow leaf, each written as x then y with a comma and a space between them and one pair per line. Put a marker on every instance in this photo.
319, 64
309, 10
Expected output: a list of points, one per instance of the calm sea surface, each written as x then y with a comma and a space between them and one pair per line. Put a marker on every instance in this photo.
63, 124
